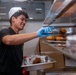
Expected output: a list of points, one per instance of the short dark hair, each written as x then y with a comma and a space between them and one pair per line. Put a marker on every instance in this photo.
20, 12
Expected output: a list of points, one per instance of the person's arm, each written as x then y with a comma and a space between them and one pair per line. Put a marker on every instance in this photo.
18, 38
21, 38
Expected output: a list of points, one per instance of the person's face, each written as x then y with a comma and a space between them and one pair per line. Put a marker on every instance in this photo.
19, 22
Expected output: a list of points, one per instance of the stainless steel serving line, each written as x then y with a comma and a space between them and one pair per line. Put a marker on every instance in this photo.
55, 11
50, 18
61, 46
64, 25
52, 15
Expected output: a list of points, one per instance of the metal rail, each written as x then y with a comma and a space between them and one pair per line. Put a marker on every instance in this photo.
51, 16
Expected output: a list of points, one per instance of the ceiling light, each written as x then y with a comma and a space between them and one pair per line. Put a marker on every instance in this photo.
30, 17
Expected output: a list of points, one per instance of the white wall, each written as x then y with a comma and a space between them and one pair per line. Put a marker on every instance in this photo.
30, 46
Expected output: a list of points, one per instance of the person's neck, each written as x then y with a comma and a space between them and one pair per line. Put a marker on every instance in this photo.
15, 29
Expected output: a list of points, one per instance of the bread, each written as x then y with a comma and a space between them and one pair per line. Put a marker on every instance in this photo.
50, 38
62, 30
60, 38
36, 60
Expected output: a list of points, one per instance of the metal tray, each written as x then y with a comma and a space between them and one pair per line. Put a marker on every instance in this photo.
63, 49
55, 42
39, 66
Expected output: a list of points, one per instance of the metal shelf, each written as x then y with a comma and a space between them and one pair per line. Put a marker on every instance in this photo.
59, 25
62, 48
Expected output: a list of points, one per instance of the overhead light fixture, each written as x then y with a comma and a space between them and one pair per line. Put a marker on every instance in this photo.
31, 18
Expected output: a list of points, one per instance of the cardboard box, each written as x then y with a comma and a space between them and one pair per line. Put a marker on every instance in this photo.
45, 49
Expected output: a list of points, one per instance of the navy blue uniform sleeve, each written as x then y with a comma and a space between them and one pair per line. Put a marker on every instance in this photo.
3, 33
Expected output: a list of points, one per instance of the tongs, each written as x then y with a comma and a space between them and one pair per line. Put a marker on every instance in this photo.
53, 13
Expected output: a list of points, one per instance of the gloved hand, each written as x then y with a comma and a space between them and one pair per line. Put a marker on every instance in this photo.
44, 31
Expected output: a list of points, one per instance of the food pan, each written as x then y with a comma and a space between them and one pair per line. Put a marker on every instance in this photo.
46, 62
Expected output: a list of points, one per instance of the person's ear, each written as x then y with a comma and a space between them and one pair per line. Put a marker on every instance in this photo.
13, 18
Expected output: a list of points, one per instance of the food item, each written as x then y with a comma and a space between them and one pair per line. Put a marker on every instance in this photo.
62, 30
61, 36
58, 38
50, 38
36, 60
70, 10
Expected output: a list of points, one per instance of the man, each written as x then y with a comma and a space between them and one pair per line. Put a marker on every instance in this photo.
11, 42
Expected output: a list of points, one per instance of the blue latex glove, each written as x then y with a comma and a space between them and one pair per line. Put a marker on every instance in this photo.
44, 31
